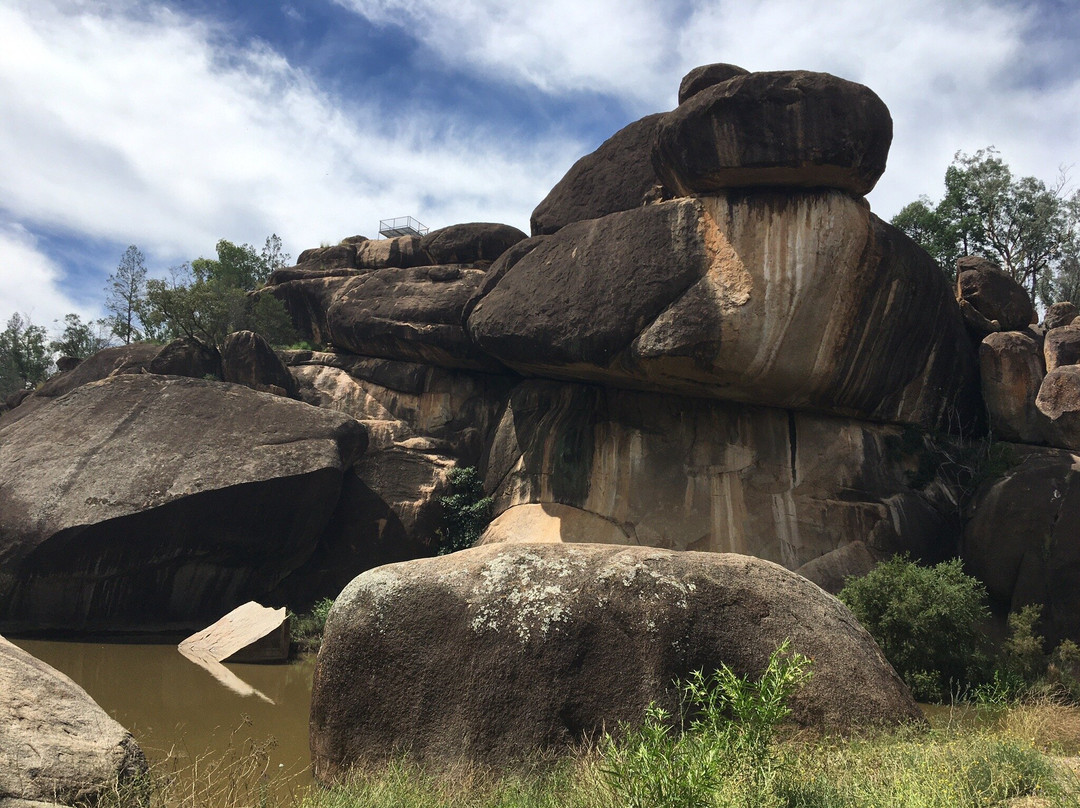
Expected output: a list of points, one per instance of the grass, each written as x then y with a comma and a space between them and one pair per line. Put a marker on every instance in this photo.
306, 629
971, 758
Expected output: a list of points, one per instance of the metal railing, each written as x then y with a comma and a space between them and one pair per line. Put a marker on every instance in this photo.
401, 226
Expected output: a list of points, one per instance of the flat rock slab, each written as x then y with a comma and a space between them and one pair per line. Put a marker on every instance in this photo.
495, 653
150, 502
57, 746
240, 628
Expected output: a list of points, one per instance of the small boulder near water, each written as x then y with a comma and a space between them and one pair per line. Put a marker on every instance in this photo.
495, 653
57, 746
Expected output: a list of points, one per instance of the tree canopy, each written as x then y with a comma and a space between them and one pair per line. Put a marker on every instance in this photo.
125, 292
24, 357
1028, 228
208, 298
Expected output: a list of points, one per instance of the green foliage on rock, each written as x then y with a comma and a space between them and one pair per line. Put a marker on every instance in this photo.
307, 629
466, 511
25, 360
927, 621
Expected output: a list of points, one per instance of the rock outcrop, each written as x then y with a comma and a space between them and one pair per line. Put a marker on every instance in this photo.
563, 642
186, 356
1011, 370
248, 359
584, 463
1020, 538
57, 746
788, 128
617, 176
799, 299
1060, 314
993, 293
146, 501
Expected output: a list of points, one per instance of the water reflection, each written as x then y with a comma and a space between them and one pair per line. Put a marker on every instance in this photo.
171, 704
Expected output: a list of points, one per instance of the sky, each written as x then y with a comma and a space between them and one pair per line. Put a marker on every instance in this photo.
176, 123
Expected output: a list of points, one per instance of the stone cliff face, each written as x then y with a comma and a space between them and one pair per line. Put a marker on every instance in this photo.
708, 343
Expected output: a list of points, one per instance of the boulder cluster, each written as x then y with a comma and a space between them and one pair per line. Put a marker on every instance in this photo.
707, 343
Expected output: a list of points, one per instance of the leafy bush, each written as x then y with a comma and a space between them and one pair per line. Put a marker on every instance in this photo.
466, 511
927, 622
307, 629
728, 726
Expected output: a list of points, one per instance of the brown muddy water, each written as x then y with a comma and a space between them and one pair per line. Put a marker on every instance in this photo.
178, 711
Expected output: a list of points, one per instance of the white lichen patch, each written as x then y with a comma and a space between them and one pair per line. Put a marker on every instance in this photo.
650, 583
378, 587
525, 594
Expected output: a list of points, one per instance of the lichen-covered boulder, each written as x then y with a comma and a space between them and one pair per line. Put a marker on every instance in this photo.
57, 746
790, 128
146, 502
800, 299
493, 654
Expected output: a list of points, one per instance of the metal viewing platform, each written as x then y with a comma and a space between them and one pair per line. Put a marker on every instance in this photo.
401, 226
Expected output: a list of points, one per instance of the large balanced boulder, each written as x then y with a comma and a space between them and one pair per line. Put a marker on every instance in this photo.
789, 128
993, 293
57, 746
578, 463
617, 176
493, 654
153, 502
187, 356
799, 299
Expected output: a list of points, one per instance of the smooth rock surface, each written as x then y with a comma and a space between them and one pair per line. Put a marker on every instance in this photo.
1020, 538
186, 356
1059, 401
57, 746
1011, 370
412, 314
492, 654
791, 128
248, 359
617, 176
706, 76
149, 502
692, 474
1062, 346
1060, 314
801, 300
472, 243
403, 251
993, 293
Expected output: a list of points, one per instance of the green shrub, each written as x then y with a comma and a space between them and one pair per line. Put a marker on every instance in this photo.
307, 629
725, 741
466, 511
927, 622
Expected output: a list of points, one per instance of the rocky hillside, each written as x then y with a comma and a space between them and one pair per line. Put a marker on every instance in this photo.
709, 342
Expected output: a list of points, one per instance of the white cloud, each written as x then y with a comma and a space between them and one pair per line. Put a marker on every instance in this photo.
955, 74
130, 124
31, 283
